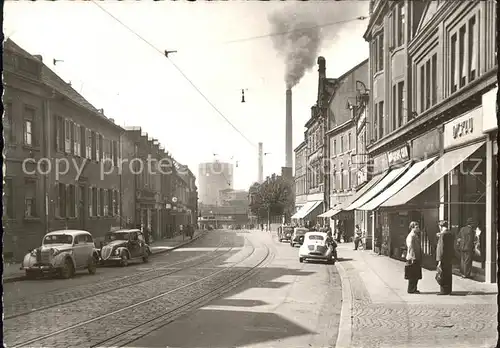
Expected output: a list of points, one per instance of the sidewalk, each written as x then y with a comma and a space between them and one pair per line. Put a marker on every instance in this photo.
12, 273
377, 311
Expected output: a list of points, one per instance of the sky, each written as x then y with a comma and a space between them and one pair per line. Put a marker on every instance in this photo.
137, 86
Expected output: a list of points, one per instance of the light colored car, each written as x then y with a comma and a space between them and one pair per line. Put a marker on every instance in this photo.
316, 248
62, 252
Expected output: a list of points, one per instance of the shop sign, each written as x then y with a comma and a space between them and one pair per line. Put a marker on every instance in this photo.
427, 145
464, 129
361, 120
490, 121
400, 155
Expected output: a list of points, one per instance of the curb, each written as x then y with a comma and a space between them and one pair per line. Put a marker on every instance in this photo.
344, 337
23, 277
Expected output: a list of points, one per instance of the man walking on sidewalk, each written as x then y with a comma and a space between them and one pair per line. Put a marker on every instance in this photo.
466, 242
357, 237
445, 251
413, 267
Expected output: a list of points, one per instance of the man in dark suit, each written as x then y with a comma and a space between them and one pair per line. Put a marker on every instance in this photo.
444, 257
466, 242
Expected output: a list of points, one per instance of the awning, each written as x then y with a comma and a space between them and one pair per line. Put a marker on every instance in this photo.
306, 209
440, 168
406, 178
363, 190
330, 213
382, 184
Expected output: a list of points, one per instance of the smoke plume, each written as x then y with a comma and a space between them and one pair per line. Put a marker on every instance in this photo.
299, 48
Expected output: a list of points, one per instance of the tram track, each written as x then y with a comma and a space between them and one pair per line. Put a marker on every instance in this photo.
137, 278
147, 308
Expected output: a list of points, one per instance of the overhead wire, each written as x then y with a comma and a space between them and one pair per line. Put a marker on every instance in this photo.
179, 70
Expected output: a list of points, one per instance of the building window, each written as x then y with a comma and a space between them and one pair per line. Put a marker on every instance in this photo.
349, 144
401, 24
71, 203
88, 144
401, 102
105, 202
67, 136
375, 122
29, 127
115, 153
78, 140
90, 200
380, 48
95, 201
112, 202
428, 83
341, 144
61, 200
8, 199
93, 144
98, 147
30, 198
381, 118
83, 141
335, 147
8, 126
464, 62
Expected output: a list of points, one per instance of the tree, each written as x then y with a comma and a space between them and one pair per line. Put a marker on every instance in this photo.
271, 198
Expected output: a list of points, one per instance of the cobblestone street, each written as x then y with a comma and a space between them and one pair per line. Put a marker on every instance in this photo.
384, 315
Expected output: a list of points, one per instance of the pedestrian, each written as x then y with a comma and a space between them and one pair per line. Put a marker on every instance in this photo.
413, 266
444, 257
358, 234
466, 238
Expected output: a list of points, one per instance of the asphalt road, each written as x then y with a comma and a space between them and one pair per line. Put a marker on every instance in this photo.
227, 289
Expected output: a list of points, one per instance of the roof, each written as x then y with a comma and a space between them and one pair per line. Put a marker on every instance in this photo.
52, 80
312, 233
126, 230
70, 232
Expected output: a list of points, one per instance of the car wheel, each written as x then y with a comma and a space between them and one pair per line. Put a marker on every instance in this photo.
301, 259
67, 270
124, 260
92, 266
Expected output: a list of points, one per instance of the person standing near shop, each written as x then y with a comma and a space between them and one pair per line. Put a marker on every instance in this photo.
358, 234
444, 257
466, 241
413, 266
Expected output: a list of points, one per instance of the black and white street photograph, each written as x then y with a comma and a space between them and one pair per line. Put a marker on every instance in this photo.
236, 174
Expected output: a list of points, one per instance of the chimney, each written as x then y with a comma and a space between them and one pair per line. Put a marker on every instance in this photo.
260, 178
313, 111
288, 130
321, 67
38, 57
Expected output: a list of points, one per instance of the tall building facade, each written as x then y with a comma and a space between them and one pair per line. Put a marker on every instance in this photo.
433, 128
212, 178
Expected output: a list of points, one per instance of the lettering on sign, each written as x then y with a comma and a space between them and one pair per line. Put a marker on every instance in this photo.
401, 154
463, 128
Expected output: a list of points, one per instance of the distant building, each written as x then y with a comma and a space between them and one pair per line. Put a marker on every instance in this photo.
212, 178
230, 197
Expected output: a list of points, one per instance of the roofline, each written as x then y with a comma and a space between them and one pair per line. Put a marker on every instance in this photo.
344, 75
302, 144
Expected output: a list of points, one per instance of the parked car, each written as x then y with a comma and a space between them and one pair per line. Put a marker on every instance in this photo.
285, 233
63, 253
316, 248
123, 246
298, 236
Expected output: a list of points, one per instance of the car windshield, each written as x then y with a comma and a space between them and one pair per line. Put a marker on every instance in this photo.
117, 236
316, 237
58, 239
288, 229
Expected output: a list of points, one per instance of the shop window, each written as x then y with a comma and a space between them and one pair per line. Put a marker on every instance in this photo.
397, 20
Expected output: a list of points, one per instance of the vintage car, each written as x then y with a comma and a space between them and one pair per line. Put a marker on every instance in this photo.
123, 246
285, 233
298, 236
316, 248
62, 252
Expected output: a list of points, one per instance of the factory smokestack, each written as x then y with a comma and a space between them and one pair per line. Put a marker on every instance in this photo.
261, 165
288, 130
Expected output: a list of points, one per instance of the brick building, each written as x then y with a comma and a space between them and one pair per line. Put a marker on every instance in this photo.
433, 134
50, 128
300, 176
340, 174
69, 166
